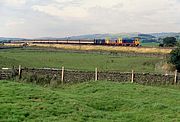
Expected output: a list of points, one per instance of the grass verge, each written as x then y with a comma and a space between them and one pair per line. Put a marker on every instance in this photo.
92, 101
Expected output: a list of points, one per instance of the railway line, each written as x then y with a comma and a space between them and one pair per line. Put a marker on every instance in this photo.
77, 42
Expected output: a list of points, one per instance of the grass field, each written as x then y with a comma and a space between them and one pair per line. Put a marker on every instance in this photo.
57, 59
151, 44
93, 101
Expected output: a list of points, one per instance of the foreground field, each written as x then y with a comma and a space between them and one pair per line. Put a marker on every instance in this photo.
57, 59
93, 101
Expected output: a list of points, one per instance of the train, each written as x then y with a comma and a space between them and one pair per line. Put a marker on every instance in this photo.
111, 42
118, 42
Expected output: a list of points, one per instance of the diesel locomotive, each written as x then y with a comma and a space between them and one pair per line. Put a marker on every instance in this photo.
118, 42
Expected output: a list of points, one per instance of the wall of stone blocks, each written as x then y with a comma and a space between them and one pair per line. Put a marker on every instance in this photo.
45, 76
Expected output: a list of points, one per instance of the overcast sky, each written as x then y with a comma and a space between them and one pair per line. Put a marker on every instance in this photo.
60, 18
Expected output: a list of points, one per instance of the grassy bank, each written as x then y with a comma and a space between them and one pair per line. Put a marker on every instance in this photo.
57, 59
93, 101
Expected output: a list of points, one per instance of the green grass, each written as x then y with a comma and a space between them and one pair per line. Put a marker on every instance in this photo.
93, 101
57, 59
150, 44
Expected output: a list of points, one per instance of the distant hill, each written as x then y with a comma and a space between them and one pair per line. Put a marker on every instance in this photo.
146, 38
4, 39
102, 36
163, 35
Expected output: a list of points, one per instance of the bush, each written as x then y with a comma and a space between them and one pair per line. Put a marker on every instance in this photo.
161, 45
169, 41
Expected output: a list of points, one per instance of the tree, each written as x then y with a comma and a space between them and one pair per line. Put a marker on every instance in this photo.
178, 43
169, 41
175, 58
161, 45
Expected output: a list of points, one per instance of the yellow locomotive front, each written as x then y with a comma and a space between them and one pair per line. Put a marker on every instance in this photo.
137, 42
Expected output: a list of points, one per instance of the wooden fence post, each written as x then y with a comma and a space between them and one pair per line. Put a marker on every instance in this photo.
62, 76
132, 77
175, 77
96, 74
19, 72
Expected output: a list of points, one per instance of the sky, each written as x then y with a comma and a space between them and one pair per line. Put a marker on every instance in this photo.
63, 18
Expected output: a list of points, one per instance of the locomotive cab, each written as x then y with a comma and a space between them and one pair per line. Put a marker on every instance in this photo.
137, 42
120, 41
107, 41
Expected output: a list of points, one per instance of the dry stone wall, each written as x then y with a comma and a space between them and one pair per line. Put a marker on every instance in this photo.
114, 76
41, 76
149, 78
48, 76
78, 76
7, 74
